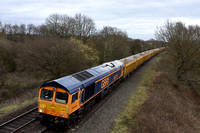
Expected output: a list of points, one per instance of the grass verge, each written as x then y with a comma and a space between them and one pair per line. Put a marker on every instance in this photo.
10, 108
135, 102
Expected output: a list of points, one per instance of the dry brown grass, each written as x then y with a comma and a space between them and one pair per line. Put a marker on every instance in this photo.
18, 89
21, 98
16, 85
171, 107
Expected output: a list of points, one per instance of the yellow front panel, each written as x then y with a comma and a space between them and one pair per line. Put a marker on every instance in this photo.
54, 109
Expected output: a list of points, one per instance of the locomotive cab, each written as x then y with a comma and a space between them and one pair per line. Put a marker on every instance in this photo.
56, 104
53, 101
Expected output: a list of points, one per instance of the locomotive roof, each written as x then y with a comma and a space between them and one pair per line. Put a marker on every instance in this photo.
74, 82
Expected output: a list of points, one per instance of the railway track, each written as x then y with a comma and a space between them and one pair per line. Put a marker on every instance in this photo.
18, 123
93, 109
44, 130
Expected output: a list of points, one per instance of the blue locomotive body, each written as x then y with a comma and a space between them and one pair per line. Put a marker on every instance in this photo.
104, 76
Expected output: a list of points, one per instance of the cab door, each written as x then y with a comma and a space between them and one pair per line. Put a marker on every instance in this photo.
75, 101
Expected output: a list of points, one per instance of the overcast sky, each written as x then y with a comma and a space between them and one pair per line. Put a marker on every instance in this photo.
139, 18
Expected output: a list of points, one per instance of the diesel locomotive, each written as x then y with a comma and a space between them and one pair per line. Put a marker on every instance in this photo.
64, 100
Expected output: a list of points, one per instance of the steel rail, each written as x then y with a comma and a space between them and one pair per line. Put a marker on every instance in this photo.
23, 125
18, 116
5, 125
44, 130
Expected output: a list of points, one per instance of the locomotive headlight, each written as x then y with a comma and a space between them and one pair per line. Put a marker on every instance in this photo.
41, 110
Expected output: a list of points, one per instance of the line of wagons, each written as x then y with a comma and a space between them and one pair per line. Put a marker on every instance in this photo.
64, 100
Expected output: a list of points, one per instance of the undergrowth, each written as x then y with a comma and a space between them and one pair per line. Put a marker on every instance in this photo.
161, 104
12, 107
135, 103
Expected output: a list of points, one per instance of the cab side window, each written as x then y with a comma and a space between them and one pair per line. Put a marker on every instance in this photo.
74, 97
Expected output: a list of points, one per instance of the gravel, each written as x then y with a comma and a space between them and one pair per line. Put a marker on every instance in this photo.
34, 127
102, 119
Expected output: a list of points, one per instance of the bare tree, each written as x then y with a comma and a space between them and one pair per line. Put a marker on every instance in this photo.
136, 46
53, 24
182, 45
30, 29
16, 29
2, 32
114, 43
84, 27
8, 31
1, 26
66, 24
43, 30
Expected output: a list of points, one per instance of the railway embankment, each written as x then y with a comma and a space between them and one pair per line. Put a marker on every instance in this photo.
160, 104
102, 118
